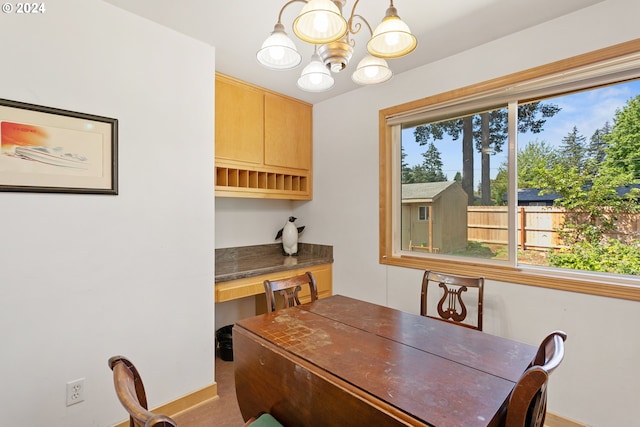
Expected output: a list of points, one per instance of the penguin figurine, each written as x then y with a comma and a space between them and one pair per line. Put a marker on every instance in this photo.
289, 234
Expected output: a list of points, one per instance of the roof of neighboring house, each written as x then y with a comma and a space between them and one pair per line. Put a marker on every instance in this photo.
533, 194
426, 190
624, 189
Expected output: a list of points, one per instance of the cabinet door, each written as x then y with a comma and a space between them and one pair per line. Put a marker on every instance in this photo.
324, 281
239, 122
287, 132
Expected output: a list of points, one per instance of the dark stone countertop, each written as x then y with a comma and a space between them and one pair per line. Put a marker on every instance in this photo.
247, 261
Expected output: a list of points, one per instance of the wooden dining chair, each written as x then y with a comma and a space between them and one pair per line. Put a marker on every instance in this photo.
527, 405
450, 306
131, 393
284, 293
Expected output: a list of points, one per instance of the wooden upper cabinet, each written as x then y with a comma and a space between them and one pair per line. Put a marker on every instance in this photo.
263, 143
287, 132
239, 122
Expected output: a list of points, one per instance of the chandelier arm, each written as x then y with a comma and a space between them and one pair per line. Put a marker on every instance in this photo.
355, 27
285, 6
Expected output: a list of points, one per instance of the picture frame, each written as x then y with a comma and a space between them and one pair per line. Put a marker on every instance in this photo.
51, 150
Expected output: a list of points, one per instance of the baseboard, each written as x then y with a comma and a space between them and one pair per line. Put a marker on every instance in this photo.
211, 392
554, 420
183, 403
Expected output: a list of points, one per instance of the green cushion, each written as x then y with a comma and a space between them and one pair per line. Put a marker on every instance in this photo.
266, 420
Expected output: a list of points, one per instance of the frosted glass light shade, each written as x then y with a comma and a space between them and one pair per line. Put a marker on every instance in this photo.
319, 22
315, 77
371, 71
278, 52
392, 38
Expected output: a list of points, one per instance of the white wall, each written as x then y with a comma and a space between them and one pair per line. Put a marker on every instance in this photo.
247, 222
85, 277
597, 384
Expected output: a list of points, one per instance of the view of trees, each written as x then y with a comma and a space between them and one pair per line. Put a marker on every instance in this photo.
588, 178
429, 171
587, 175
486, 133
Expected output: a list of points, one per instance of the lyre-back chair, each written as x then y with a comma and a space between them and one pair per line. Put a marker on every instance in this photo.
131, 394
289, 289
451, 306
528, 401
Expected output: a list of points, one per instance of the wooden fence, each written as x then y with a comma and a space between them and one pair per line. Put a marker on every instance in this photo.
537, 226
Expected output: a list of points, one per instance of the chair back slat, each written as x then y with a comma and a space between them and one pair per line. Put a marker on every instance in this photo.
451, 306
289, 290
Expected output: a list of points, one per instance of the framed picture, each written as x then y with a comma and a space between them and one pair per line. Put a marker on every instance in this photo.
48, 150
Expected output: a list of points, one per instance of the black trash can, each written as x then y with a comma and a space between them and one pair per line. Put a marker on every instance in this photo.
224, 336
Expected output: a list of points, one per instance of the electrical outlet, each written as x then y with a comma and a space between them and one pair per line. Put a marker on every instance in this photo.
75, 392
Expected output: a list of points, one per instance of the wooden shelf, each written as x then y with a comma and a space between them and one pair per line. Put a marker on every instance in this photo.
261, 182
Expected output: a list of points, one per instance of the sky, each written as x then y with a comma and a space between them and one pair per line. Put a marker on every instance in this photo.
587, 111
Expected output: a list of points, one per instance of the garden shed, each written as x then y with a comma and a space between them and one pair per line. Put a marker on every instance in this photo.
434, 217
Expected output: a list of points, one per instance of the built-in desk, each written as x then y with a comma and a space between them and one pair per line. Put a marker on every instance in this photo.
241, 271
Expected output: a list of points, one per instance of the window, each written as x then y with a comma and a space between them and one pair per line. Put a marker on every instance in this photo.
533, 178
423, 213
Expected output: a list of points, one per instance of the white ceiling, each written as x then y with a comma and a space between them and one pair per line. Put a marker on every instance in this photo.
237, 29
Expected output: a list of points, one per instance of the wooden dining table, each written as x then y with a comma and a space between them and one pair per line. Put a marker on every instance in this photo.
344, 362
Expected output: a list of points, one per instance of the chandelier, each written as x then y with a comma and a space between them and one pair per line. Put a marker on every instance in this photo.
321, 23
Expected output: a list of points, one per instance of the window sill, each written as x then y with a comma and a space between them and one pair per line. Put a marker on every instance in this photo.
586, 283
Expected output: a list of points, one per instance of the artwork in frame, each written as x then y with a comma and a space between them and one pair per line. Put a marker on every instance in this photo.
44, 149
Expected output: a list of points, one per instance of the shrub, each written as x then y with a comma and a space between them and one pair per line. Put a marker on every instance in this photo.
608, 256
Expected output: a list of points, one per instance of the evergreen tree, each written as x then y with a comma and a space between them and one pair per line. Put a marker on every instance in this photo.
595, 153
404, 166
573, 150
432, 164
415, 175
596, 150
